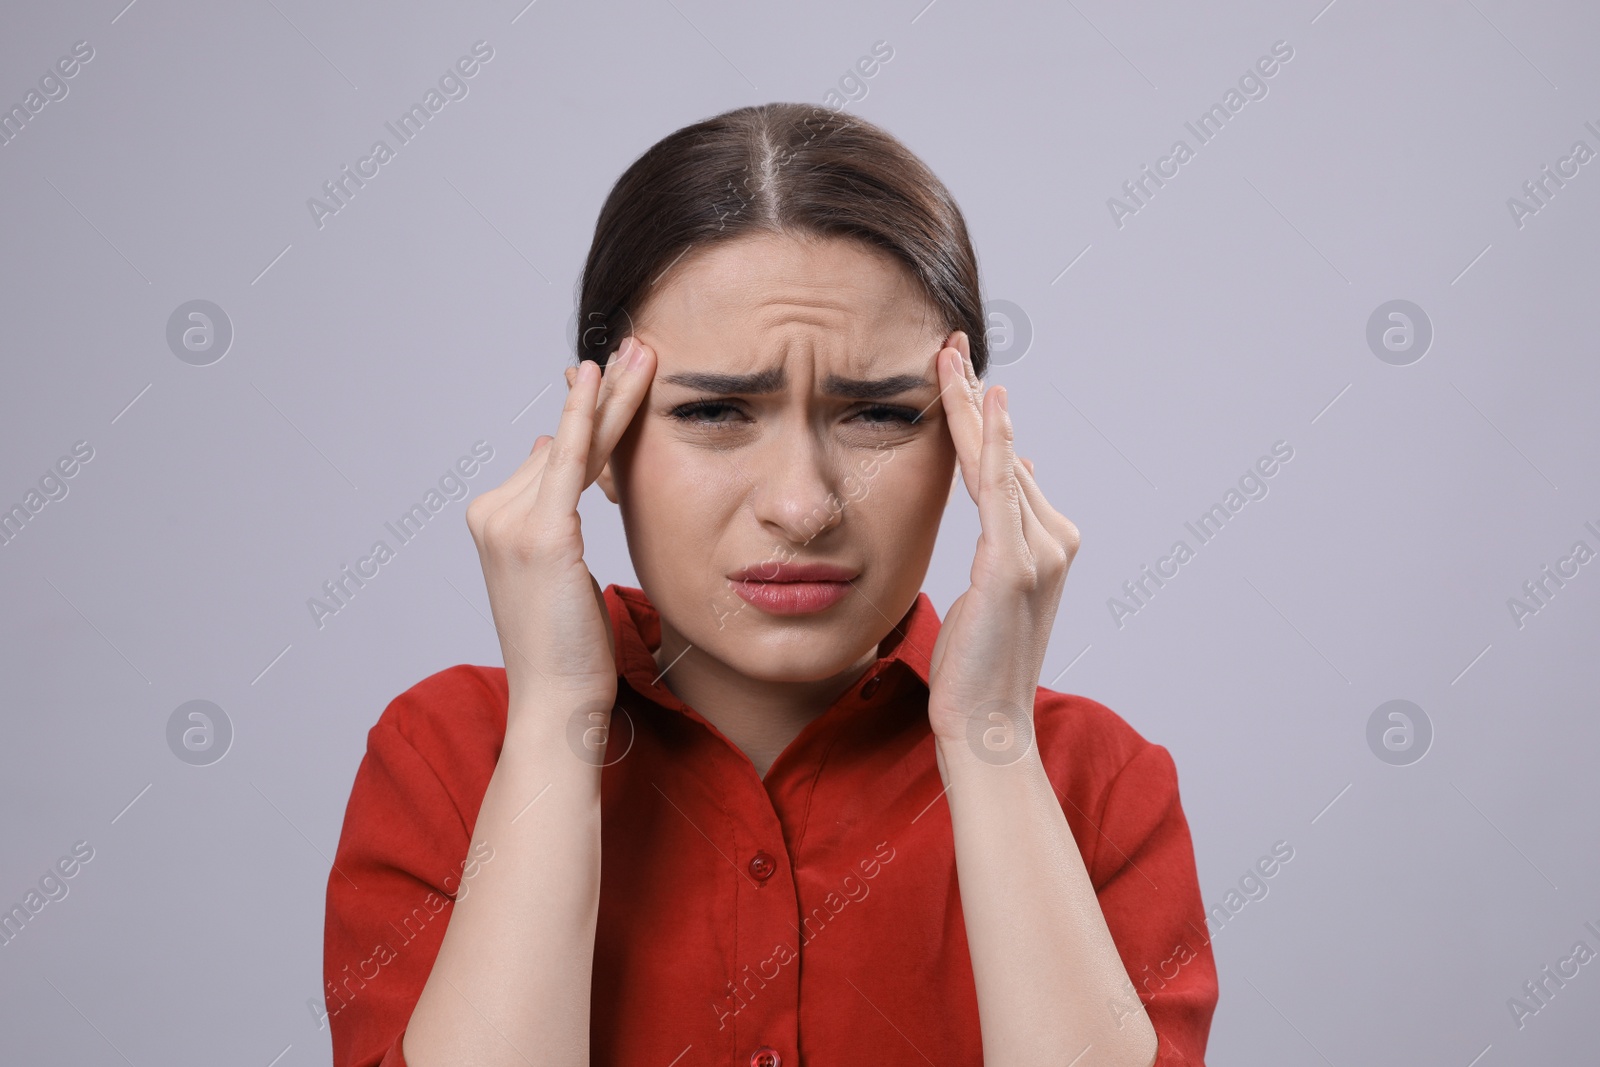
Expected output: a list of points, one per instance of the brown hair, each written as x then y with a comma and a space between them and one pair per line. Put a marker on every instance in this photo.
774, 168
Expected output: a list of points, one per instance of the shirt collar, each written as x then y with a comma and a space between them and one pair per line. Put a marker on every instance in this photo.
636, 626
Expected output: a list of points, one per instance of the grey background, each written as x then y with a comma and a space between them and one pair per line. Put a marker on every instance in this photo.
1229, 313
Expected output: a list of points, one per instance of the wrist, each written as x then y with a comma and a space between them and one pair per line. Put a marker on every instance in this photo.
988, 747
997, 731
564, 727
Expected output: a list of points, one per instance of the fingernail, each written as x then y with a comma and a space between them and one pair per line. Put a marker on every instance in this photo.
1002, 390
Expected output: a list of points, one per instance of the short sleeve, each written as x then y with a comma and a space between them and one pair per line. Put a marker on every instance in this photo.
1143, 871
387, 902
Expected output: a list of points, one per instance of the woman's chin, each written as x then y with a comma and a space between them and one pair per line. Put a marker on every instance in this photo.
792, 660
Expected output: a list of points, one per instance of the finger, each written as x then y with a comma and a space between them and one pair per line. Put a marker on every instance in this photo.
611, 368
1034, 531
627, 381
1036, 535
526, 487
1042, 543
1056, 525
563, 481
514, 488
1040, 503
521, 488
974, 388
962, 407
999, 502
527, 471
1030, 485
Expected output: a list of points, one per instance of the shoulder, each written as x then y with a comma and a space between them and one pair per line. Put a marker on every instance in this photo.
1083, 734
1095, 759
439, 709
455, 721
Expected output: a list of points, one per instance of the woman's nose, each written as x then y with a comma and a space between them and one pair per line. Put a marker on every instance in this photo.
795, 492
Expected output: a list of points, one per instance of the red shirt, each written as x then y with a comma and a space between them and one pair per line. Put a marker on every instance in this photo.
814, 914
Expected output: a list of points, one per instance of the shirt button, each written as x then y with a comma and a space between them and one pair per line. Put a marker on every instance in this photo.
765, 1057
762, 866
871, 686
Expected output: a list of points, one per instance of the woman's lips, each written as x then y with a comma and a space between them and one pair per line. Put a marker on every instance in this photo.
791, 598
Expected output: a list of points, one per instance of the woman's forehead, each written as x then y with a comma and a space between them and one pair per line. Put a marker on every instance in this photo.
771, 278
755, 303
767, 360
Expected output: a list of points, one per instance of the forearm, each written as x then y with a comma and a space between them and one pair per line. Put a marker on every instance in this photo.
1043, 959
511, 982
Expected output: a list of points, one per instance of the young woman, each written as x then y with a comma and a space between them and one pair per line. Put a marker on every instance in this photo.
768, 808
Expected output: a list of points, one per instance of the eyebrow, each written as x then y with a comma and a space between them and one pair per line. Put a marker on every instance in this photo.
772, 381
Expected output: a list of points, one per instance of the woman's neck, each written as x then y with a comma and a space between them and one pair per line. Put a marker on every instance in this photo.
760, 717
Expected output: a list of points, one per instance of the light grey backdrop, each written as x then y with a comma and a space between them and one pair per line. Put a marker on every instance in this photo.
1156, 351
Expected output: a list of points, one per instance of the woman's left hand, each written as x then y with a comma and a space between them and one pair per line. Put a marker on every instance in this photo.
986, 661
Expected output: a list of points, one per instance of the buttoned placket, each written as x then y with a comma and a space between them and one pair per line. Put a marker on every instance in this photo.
761, 1000
762, 997
768, 900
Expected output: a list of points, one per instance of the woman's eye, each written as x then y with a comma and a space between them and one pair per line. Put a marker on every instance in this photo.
702, 411
711, 412
886, 416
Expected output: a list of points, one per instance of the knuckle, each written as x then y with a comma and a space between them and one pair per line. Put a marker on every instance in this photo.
480, 509
509, 534
1071, 538
1027, 579
498, 528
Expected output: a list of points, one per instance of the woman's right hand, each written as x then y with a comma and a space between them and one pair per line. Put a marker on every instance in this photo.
550, 613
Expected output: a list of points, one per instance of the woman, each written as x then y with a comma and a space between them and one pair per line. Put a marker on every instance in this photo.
768, 808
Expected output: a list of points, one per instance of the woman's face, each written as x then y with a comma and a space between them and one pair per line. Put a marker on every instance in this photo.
794, 418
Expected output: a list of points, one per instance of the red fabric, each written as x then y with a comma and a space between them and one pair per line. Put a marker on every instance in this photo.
852, 950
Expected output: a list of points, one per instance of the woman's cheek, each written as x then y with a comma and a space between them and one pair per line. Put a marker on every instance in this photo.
906, 505
915, 473
682, 485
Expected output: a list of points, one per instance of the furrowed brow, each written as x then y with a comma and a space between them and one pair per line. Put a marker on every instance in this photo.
873, 388
767, 381
772, 381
